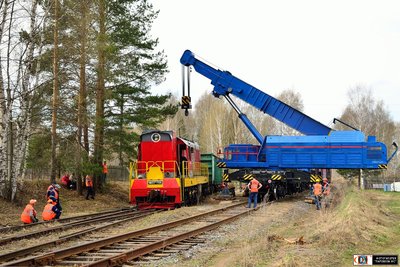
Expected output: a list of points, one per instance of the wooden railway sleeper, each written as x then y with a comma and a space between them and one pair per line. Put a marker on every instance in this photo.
118, 260
45, 260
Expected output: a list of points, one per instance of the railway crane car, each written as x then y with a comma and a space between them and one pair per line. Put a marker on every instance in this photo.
319, 147
168, 172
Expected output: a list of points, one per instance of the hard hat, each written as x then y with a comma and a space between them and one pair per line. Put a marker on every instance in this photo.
57, 186
325, 179
32, 201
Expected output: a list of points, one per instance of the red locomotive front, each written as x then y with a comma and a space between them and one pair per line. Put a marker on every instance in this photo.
165, 163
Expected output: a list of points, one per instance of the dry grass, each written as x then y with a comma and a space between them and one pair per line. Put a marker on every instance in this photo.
362, 222
358, 222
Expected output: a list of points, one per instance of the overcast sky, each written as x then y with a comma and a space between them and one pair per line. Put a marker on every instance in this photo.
317, 48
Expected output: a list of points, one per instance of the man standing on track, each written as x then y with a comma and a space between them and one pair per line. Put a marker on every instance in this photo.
253, 187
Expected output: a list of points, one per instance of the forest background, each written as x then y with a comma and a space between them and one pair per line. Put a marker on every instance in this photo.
76, 81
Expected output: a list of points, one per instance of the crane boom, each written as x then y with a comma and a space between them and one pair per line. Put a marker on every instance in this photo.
225, 83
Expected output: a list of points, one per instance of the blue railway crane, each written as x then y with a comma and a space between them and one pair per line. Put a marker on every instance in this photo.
319, 147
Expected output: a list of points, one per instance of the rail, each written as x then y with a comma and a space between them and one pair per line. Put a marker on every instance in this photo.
103, 246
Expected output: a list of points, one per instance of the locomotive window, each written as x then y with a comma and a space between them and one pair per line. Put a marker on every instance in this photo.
156, 137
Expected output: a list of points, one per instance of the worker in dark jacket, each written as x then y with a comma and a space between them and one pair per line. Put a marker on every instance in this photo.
53, 191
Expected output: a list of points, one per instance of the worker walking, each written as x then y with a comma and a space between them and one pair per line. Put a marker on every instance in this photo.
253, 187
50, 211
89, 186
28, 216
318, 195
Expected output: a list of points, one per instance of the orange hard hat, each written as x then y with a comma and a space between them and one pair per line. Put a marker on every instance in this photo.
32, 201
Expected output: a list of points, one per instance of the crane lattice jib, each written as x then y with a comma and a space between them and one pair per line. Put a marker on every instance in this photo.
225, 84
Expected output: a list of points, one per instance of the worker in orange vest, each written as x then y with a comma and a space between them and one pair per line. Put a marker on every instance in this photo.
50, 211
105, 171
29, 214
326, 189
318, 195
89, 186
253, 187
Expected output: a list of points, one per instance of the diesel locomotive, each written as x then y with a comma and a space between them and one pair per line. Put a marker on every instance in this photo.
169, 172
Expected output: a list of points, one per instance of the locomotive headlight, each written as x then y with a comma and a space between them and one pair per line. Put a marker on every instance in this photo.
155, 137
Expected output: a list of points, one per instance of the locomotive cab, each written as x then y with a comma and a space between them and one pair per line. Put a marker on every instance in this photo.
167, 173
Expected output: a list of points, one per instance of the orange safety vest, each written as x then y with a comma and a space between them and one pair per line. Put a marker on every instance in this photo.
26, 214
327, 189
89, 182
317, 189
48, 214
254, 185
105, 168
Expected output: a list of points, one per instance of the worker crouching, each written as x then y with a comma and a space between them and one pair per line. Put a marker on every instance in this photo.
50, 211
28, 216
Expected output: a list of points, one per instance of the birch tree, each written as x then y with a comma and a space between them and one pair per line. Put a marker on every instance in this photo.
18, 84
370, 116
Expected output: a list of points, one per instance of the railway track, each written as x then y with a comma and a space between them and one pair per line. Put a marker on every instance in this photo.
154, 242
101, 221
13, 228
77, 222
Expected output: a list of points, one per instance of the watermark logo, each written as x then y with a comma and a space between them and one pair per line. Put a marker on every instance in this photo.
362, 260
359, 260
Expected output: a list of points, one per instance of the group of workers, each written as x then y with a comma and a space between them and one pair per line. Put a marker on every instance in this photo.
53, 208
51, 211
321, 192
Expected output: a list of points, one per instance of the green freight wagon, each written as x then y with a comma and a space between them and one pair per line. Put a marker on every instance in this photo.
214, 173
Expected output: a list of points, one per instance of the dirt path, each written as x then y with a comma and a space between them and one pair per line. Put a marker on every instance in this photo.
257, 227
234, 244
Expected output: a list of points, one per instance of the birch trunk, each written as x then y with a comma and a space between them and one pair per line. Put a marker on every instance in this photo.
3, 119
24, 120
